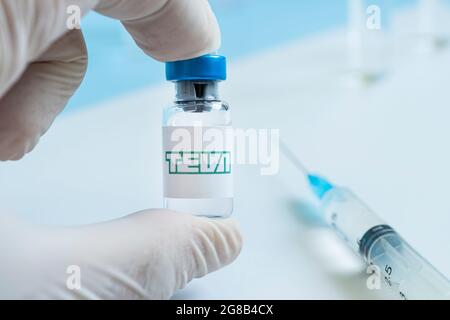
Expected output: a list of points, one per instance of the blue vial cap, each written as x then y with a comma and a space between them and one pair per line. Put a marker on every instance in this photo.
207, 67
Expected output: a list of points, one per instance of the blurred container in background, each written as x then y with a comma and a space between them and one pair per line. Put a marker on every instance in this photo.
369, 40
424, 27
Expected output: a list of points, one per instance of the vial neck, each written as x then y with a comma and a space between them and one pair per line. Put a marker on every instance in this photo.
197, 90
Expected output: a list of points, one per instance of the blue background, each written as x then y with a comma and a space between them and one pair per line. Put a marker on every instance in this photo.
117, 65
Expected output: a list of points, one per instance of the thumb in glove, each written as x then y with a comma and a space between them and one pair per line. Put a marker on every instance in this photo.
147, 255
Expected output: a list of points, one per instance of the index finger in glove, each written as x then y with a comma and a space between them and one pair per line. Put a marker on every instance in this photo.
164, 29
167, 30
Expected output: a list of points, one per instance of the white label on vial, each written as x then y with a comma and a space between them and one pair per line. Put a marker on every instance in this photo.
197, 162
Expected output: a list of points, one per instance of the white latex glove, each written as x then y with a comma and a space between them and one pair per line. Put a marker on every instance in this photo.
42, 63
146, 255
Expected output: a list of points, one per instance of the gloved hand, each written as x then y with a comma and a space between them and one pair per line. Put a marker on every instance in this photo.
42, 63
146, 255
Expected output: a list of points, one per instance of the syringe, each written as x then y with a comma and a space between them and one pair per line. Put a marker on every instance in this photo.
403, 269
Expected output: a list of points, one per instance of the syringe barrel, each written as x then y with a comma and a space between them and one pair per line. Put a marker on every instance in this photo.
348, 215
396, 262
403, 269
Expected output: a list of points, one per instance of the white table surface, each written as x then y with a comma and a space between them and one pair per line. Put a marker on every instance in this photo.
388, 142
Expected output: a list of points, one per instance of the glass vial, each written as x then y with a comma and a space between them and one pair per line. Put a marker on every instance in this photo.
197, 140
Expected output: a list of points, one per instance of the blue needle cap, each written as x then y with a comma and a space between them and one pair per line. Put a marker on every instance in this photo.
320, 186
